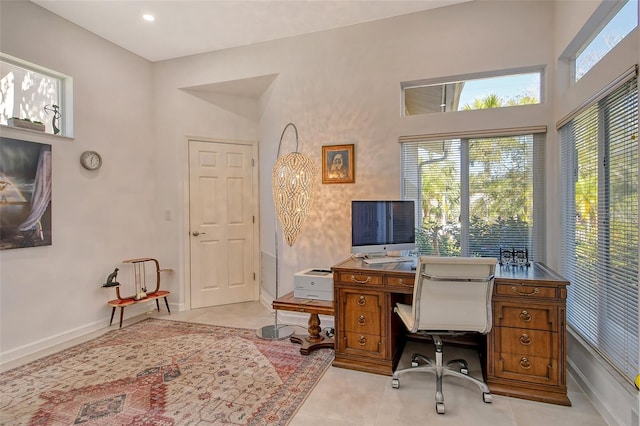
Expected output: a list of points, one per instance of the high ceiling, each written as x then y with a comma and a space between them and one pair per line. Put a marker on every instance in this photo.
187, 27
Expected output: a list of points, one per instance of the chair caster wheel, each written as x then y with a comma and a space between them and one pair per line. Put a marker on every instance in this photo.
486, 397
440, 407
395, 383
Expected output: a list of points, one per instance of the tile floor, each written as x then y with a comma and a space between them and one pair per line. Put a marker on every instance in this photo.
349, 398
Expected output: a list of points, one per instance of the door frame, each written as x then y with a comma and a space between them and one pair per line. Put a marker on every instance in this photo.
186, 226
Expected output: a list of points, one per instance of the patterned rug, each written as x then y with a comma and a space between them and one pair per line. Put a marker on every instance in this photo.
162, 372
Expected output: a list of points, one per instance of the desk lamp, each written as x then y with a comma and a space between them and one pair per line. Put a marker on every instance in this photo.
293, 179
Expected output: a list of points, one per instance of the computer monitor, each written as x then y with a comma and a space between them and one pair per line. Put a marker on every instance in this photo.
379, 226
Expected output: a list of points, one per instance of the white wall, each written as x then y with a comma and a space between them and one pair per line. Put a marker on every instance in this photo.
98, 218
343, 86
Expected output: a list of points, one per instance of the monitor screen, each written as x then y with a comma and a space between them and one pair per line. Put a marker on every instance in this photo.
381, 226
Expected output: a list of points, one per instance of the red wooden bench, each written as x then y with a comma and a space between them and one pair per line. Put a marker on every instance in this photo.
123, 302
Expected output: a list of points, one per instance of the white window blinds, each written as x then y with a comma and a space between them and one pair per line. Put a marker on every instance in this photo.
599, 253
475, 195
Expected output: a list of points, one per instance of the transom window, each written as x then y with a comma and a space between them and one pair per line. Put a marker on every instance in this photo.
494, 91
615, 28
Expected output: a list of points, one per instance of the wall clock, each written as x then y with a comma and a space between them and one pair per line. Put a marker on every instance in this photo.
91, 160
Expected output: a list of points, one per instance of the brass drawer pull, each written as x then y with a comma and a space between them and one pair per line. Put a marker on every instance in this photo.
362, 340
353, 277
362, 320
535, 291
525, 316
525, 363
525, 340
361, 301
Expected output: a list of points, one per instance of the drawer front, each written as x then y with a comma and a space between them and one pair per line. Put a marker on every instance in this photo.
526, 342
364, 279
528, 368
399, 282
361, 302
364, 344
362, 321
529, 289
525, 316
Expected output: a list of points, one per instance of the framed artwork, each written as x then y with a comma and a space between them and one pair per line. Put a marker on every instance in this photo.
338, 164
25, 194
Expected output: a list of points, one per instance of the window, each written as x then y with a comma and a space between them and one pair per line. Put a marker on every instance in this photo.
495, 91
599, 253
617, 27
33, 93
476, 194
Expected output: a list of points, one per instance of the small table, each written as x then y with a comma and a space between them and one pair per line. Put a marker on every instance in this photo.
316, 338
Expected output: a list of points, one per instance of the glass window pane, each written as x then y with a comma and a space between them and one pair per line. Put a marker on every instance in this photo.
500, 195
600, 224
618, 27
474, 196
28, 94
481, 93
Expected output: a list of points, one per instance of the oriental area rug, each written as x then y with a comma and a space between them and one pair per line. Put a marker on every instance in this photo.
162, 372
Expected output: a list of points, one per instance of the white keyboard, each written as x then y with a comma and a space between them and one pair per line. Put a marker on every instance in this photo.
387, 259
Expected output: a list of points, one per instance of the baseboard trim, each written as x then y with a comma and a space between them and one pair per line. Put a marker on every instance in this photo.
615, 399
48, 345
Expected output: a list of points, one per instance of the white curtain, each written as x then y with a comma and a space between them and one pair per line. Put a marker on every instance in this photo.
42, 190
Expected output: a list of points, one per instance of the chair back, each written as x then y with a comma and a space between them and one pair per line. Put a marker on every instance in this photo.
453, 294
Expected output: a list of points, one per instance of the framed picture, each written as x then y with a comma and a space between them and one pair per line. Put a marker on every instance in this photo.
338, 164
25, 194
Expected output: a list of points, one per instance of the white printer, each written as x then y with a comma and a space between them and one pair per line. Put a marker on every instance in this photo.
314, 283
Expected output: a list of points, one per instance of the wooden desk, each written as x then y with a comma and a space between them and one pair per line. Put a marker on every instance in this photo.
525, 352
316, 338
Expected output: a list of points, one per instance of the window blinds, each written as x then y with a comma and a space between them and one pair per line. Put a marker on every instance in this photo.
599, 255
475, 195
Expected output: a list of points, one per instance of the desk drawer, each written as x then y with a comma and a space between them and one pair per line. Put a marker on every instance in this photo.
400, 282
356, 302
530, 290
525, 316
526, 342
530, 369
364, 279
364, 344
362, 321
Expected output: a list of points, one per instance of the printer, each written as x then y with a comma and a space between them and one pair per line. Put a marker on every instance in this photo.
314, 283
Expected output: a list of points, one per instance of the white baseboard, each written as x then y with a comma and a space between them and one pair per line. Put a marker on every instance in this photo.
615, 399
50, 343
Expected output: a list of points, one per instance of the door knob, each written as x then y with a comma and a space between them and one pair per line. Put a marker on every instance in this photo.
196, 233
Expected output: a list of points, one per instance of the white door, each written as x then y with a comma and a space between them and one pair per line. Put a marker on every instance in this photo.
221, 218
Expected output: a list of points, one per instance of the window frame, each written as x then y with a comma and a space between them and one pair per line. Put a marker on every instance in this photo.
65, 92
538, 226
599, 21
462, 78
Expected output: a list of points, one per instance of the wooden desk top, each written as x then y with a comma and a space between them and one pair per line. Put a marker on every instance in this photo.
536, 272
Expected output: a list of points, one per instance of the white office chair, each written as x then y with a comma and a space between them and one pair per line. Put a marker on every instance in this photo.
451, 295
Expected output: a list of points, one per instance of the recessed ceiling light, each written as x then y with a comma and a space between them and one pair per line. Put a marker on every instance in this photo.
148, 17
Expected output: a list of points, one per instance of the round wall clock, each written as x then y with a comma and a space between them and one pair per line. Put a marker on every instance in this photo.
91, 160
